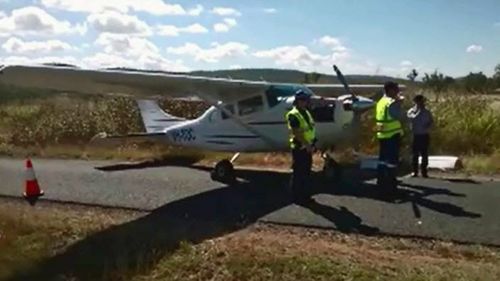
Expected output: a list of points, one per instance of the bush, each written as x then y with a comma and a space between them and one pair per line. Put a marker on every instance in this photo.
465, 125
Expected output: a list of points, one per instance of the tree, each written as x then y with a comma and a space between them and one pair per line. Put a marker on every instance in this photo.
437, 81
412, 75
476, 82
311, 78
496, 76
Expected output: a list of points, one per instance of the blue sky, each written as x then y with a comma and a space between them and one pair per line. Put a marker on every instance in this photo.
364, 37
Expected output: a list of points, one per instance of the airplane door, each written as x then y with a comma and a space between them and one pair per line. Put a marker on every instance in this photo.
323, 110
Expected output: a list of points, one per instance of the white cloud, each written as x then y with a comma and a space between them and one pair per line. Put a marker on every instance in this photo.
196, 11
301, 57
116, 22
35, 21
172, 30
406, 63
474, 49
333, 43
104, 60
39, 60
226, 25
220, 27
123, 50
297, 56
235, 66
155, 7
270, 11
17, 46
126, 45
230, 21
2, 14
225, 11
213, 54
150, 62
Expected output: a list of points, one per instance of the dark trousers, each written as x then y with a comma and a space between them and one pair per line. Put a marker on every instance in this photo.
420, 147
301, 175
388, 161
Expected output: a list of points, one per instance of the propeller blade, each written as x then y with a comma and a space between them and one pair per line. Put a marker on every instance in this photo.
341, 78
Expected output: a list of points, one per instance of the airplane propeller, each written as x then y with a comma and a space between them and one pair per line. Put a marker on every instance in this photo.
357, 110
341, 78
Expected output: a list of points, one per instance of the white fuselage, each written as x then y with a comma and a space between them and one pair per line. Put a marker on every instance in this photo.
265, 126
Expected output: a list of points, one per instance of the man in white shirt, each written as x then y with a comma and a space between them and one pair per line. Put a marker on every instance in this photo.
421, 123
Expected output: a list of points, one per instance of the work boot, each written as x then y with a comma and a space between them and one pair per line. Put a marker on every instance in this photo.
424, 174
381, 175
393, 179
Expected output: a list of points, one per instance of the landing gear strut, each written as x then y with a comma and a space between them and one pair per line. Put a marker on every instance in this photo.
224, 170
332, 171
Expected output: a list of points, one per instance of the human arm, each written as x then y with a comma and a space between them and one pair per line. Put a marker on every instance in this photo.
396, 112
412, 113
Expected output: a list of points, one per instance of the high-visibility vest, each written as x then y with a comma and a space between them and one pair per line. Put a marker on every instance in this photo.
307, 128
386, 125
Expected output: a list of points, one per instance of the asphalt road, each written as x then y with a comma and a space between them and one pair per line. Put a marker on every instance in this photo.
434, 208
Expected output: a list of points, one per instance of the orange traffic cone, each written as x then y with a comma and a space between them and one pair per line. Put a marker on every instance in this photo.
32, 190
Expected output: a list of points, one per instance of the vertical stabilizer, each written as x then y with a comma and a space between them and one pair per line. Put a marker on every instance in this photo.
154, 118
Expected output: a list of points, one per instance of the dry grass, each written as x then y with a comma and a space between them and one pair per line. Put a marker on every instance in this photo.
483, 164
32, 235
63, 125
271, 253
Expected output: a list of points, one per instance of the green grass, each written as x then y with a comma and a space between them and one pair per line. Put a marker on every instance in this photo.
60, 242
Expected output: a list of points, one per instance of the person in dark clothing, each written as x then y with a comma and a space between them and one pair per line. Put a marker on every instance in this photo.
302, 143
421, 123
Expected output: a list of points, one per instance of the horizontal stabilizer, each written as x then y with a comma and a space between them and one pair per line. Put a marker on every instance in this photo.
155, 119
133, 135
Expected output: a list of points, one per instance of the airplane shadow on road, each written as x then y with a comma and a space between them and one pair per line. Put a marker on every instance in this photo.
143, 241
417, 195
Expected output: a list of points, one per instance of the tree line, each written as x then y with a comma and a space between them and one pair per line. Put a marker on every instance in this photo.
477, 82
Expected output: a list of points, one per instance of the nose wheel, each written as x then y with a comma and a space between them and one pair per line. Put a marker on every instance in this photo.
224, 170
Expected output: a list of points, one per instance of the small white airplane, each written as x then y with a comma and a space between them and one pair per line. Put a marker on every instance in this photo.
245, 116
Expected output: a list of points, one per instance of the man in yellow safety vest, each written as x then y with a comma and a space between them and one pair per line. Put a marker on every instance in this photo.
389, 132
302, 143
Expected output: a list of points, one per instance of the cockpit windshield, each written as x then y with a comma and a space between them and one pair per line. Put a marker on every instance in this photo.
277, 93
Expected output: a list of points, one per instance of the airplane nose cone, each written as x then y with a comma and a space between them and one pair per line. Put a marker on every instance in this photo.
363, 104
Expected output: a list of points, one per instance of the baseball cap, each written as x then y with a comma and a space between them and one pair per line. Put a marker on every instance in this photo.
302, 95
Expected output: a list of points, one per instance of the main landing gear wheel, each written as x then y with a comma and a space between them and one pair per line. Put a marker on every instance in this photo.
223, 172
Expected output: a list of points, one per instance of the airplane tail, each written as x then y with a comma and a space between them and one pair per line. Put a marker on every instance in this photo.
154, 118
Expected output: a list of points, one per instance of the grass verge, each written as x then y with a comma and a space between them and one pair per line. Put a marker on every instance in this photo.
32, 235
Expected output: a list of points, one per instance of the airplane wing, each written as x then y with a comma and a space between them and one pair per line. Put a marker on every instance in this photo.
138, 84
334, 90
141, 84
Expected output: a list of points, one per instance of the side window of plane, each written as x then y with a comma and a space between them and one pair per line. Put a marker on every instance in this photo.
272, 95
250, 105
324, 112
228, 107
